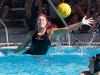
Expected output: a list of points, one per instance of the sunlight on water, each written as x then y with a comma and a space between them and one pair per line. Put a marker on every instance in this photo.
1, 54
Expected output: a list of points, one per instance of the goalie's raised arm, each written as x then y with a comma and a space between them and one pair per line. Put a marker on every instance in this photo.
60, 31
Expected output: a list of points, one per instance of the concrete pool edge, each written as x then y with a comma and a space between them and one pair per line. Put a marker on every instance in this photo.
54, 44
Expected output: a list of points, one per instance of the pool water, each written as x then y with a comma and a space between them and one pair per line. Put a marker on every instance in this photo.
66, 61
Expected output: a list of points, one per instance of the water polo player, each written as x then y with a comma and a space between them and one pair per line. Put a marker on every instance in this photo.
42, 37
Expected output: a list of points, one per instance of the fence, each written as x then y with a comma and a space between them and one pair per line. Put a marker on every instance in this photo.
14, 23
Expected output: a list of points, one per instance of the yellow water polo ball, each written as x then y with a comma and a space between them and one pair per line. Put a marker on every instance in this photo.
63, 10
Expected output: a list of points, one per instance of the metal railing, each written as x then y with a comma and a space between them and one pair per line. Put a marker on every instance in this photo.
6, 31
60, 19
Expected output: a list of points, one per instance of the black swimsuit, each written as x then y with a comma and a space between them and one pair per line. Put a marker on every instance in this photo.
39, 44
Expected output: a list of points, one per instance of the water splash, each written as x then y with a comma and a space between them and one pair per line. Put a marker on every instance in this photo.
58, 43
1, 54
93, 36
82, 46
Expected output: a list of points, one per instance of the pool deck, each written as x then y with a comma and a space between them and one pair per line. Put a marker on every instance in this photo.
18, 35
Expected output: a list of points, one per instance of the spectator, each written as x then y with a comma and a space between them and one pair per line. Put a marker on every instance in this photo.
98, 13
33, 8
53, 17
75, 1
46, 10
94, 66
68, 19
95, 13
5, 7
98, 4
79, 10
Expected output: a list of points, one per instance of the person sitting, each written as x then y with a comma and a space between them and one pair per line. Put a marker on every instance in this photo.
32, 9
42, 37
79, 10
53, 17
94, 66
95, 12
5, 7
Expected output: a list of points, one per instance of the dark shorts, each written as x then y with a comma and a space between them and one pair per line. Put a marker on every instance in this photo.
31, 22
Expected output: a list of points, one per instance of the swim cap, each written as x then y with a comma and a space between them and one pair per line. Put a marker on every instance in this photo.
43, 15
50, 25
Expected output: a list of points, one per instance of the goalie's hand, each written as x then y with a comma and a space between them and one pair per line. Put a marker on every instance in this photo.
88, 21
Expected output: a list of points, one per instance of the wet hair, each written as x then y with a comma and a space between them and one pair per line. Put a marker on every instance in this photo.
43, 15
96, 59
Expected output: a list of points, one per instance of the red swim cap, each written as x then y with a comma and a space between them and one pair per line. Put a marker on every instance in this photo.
43, 15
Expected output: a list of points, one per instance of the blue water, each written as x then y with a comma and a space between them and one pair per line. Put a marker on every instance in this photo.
63, 61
